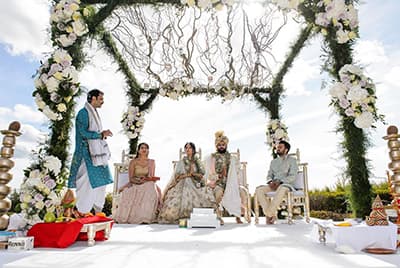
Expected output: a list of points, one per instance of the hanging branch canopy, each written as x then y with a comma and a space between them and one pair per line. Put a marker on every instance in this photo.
180, 51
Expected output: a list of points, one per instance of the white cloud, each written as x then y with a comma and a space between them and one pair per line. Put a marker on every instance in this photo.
393, 76
22, 113
23, 26
302, 72
370, 51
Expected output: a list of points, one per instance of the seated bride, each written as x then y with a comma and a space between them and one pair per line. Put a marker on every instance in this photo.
140, 197
186, 189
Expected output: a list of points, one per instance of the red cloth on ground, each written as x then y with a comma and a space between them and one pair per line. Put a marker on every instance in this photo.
63, 234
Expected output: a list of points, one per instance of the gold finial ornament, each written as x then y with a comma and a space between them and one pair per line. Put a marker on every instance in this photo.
6, 152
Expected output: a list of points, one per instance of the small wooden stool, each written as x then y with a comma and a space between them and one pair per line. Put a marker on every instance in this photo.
92, 228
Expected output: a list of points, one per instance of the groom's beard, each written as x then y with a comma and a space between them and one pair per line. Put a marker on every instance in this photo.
221, 150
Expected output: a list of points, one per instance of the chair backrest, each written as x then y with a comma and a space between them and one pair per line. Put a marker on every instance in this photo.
182, 154
301, 181
242, 169
121, 176
126, 157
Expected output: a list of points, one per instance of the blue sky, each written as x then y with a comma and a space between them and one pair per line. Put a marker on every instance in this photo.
24, 42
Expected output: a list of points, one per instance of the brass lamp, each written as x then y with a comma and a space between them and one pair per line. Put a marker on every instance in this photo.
394, 180
6, 152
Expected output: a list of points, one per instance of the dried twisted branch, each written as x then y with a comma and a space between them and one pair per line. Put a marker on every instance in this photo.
176, 48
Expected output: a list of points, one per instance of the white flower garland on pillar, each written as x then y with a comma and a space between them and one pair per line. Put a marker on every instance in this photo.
132, 122
276, 132
56, 83
354, 96
38, 193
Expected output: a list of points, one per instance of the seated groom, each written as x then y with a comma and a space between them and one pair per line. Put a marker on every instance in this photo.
222, 172
281, 176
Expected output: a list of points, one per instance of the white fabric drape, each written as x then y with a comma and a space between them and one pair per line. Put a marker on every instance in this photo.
98, 148
88, 197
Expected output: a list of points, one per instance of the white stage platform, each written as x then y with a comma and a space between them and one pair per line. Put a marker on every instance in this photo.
231, 245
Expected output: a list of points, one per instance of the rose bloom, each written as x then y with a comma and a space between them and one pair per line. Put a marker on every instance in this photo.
61, 107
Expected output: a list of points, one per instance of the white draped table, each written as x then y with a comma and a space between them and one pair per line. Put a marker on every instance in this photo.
358, 236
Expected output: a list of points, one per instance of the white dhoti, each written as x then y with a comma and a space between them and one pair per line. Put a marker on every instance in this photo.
86, 196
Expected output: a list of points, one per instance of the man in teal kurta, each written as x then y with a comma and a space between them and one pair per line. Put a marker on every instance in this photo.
89, 172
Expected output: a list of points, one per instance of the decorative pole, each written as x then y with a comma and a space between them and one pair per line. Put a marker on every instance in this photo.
394, 180
6, 164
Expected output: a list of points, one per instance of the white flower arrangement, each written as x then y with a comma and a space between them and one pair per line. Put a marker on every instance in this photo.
208, 4
176, 88
343, 17
67, 19
56, 83
354, 96
132, 122
40, 191
276, 131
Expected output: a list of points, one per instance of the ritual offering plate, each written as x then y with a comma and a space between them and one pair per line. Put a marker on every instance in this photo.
380, 250
343, 224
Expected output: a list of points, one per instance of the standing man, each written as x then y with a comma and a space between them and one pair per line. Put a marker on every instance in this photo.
281, 176
222, 173
89, 168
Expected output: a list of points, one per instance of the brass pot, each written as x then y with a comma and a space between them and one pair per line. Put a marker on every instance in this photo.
394, 165
5, 177
6, 163
4, 190
397, 189
4, 222
5, 205
394, 155
396, 178
7, 152
9, 141
394, 144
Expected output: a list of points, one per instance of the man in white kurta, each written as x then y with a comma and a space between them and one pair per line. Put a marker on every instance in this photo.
222, 174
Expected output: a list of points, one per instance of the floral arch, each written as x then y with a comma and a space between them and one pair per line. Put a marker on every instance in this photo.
73, 22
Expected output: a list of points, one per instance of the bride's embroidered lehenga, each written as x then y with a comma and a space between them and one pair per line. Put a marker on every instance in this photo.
185, 192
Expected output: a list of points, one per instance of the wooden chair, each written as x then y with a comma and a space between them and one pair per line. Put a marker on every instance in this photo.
121, 177
244, 188
294, 199
182, 154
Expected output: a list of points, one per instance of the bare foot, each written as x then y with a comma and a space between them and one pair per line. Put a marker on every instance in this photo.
271, 220
238, 220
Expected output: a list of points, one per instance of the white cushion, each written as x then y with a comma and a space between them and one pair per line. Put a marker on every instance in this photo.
299, 181
298, 193
295, 193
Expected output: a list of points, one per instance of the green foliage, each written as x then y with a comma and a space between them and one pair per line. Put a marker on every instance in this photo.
337, 199
15, 202
329, 201
107, 209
